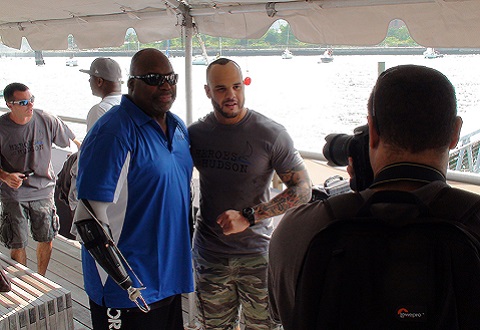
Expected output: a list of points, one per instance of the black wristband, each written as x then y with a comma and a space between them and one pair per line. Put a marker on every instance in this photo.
249, 214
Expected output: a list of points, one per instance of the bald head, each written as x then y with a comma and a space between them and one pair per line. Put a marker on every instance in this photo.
141, 60
147, 87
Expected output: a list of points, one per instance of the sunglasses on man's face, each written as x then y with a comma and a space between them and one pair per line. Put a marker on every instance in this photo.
156, 79
24, 103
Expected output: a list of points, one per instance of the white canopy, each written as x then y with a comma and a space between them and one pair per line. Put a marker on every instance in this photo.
100, 23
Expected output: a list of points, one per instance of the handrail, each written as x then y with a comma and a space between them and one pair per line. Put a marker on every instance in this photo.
467, 175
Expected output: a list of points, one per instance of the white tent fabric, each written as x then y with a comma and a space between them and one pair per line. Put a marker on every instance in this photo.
101, 23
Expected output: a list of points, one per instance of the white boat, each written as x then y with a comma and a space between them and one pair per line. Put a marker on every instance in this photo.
287, 54
71, 62
431, 53
200, 60
327, 56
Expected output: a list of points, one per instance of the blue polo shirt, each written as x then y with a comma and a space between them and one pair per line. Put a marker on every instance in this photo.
127, 160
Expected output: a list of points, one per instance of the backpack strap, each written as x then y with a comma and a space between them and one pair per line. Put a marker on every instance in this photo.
336, 209
449, 203
455, 204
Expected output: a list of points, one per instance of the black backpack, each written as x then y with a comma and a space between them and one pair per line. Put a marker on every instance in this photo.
418, 271
64, 178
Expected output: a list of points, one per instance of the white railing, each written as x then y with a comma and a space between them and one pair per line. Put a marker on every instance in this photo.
464, 165
465, 157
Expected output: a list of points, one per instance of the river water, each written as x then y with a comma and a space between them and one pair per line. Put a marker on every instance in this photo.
311, 99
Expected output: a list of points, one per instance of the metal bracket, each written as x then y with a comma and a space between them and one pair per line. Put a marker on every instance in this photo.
271, 11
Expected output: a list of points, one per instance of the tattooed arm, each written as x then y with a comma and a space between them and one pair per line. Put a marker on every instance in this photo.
298, 191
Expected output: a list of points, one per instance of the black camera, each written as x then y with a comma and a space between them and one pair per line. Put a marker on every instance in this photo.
334, 185
340, 147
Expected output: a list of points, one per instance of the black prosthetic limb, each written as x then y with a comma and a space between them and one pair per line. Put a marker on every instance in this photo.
98, 242
101, 247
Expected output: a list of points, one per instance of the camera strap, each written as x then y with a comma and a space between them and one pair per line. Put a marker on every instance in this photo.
407, 172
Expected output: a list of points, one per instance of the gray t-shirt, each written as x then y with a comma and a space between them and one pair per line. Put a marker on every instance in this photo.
236, 165
29, 147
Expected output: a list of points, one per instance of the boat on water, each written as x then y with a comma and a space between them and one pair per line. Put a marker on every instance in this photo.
71, 62
327, 56
372, 17
431, 53
200, 60
287, 54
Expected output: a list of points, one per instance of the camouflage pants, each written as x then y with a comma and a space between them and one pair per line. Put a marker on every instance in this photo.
225, 284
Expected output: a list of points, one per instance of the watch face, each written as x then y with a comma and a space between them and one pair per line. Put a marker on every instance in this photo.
249, 214
248, 211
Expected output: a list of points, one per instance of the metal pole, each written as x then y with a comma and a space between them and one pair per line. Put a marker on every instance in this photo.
192, 324
188, 68
381, 67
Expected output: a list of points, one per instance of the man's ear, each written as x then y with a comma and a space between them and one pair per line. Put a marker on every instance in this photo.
373, 137
456, 132
99, 81
130, 84
207, 91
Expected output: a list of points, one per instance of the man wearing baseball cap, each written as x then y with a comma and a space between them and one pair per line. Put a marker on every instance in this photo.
105, 82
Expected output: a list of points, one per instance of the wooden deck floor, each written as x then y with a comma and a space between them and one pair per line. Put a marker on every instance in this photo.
65, 269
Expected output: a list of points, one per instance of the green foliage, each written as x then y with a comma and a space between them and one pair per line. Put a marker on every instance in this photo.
398, 37
276, 37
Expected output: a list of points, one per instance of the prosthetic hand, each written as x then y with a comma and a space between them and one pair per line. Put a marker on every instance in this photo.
98, 242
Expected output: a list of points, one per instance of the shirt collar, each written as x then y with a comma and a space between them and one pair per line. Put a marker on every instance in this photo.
412, 172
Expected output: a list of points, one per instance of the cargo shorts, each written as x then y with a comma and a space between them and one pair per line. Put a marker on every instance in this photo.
17, 217
225, 284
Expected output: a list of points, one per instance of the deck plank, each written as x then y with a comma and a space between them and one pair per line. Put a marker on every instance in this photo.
65, 270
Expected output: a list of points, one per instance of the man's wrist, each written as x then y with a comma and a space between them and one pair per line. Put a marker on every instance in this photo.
3, 175
249, 214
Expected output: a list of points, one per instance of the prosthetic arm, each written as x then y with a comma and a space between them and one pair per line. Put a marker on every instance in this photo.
96, 237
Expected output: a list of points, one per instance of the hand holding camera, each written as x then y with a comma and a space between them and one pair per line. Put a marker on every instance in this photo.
338, 149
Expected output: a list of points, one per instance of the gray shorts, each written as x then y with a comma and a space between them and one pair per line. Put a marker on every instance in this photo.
16, 217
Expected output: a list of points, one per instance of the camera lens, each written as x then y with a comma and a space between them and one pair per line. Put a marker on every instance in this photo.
336, 148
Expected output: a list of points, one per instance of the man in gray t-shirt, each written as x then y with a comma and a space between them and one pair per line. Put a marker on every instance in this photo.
26, 174
236, 151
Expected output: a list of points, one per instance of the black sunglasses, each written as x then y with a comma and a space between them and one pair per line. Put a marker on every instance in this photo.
156, 79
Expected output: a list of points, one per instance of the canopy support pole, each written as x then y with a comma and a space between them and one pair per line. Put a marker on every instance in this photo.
188, 37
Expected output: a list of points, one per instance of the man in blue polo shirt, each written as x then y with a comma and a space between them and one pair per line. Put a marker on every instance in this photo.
135, 170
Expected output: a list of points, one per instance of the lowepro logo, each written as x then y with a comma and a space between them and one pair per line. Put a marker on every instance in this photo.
410, 314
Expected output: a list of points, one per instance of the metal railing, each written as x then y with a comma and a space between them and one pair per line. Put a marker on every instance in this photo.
464, 162
465, 157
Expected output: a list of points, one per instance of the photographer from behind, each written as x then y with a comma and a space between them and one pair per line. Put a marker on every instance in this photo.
412, 125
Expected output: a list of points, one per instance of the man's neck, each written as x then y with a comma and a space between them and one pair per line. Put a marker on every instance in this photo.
383, 157
111, 94
19, 120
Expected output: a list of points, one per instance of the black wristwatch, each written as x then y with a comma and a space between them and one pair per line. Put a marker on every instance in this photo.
249, 214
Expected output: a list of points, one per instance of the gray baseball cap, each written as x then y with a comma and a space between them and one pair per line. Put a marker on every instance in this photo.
105, 68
